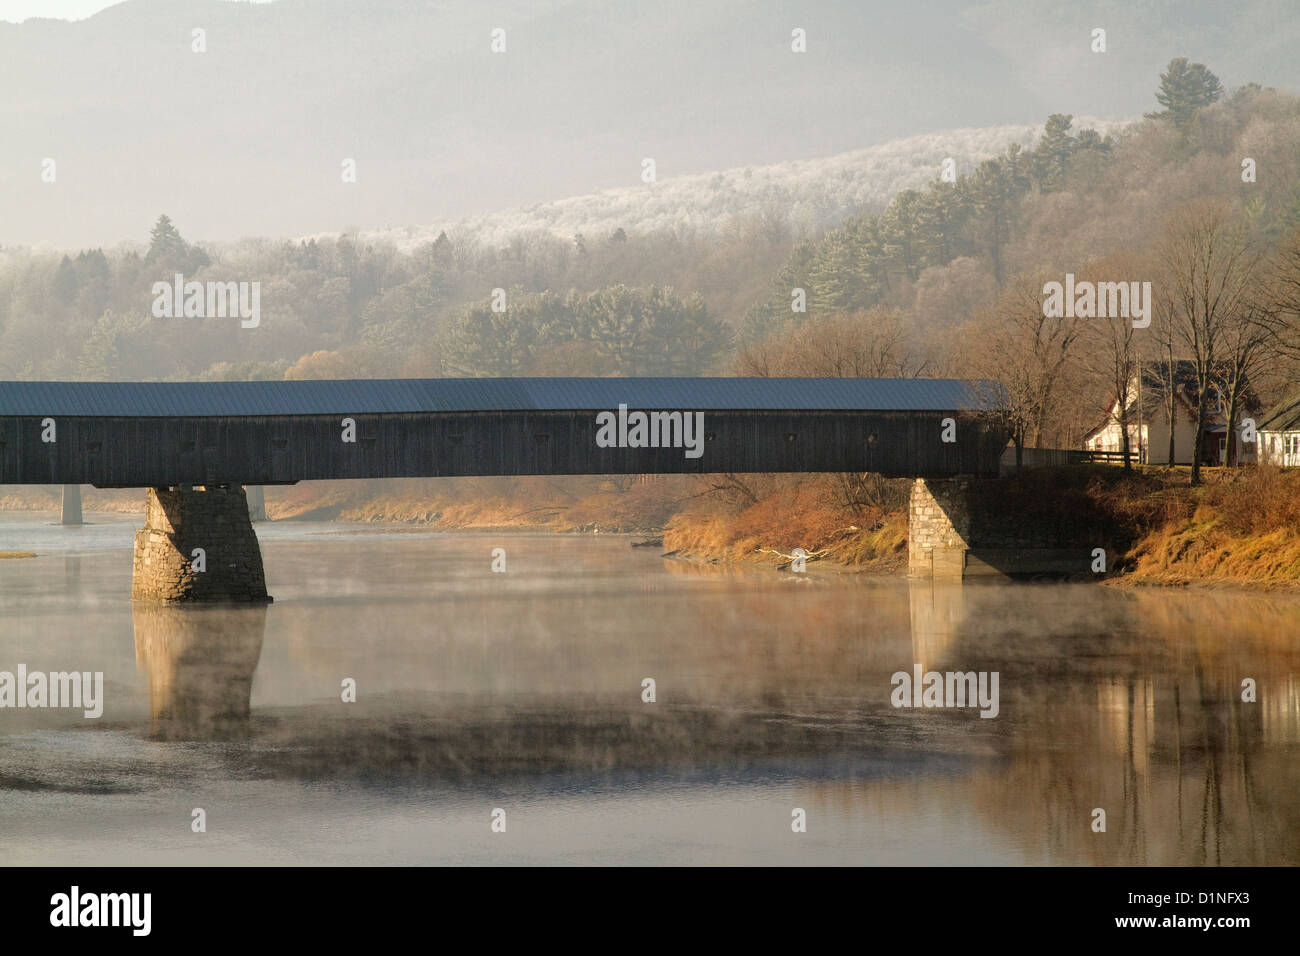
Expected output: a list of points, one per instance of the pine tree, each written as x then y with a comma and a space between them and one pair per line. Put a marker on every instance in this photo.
165, 242
993, 193
774, 312
169, 249
900, 234
1052, 154
941, 220
1185, 88
848, 270
65, 282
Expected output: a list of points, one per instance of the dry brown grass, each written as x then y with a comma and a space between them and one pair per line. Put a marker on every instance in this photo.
799, 513
1241, 528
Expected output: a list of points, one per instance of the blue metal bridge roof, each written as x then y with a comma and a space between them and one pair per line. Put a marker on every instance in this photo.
386, 396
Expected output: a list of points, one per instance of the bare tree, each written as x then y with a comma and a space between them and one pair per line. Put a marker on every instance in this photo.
1207, 270
1113, 351
1014, 343
1163, 314
1281, 296
853, 345
1248, 348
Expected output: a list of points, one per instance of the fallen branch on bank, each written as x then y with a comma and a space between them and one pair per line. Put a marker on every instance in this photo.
811, 556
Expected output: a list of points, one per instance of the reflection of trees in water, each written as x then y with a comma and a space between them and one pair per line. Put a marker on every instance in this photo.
1187, 776
200, 664
1187, 773
1145, 721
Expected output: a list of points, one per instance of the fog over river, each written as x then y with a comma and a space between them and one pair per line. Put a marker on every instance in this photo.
523, 692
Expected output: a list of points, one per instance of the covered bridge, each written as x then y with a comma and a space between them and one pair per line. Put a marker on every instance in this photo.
156, 434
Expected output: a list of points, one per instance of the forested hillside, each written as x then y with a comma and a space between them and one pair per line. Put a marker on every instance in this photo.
1201, 199
407, 302
945, 279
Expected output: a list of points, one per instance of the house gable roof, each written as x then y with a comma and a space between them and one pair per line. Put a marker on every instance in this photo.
1282, 417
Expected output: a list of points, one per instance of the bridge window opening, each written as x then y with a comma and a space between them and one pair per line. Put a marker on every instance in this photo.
541, 438
94, 446
279, 444
187, 446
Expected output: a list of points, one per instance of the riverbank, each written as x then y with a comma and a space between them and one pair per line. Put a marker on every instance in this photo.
763, 523
1238, 529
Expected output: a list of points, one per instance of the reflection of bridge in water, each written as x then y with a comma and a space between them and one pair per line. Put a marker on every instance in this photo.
1151, 729
200, 663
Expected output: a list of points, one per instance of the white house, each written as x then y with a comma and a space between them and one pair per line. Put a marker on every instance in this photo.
1279, 433
1149, 425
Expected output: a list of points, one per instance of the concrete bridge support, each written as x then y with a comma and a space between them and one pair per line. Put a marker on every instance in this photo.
256, 502
71, 505
939, 528
197, 545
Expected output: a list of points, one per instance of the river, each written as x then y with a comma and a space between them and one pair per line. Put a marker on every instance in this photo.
517, 698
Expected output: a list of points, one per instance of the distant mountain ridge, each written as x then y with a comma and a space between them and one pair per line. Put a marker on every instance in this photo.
809, 194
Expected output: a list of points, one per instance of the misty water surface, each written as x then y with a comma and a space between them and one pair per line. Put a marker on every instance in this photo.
522, 691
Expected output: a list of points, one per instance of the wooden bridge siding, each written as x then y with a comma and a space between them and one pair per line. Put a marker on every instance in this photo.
139, 452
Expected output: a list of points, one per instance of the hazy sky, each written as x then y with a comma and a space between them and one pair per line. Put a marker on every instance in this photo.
249, 135
16, 11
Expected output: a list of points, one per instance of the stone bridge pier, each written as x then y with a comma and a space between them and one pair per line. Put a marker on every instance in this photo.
198, 544
939, 528
964, 527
